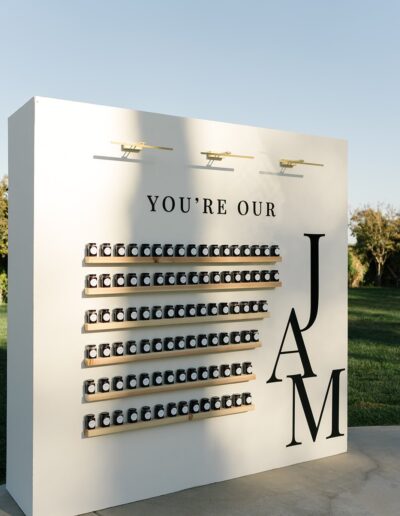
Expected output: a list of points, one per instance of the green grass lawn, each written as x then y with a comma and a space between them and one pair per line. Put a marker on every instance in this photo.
374, 361
374, 356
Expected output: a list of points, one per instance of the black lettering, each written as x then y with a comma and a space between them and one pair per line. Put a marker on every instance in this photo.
221, 206
172, 203
246, 207
207, 206
188, 199
270, 209
152, 202
256, 212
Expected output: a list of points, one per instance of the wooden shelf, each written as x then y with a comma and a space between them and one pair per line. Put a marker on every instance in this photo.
221, 348
142, 391
117, 291
175, 260
127, 427
152, 323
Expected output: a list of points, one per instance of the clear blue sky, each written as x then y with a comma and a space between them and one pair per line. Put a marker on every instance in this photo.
311, 66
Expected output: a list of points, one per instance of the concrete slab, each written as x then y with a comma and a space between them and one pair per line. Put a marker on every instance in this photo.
363, 482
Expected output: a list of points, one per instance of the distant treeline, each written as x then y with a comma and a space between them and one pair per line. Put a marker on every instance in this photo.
374, 259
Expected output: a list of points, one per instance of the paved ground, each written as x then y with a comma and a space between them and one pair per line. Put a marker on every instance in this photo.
363, 482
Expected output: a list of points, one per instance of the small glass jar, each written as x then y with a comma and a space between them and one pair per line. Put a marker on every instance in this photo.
227, 277
104, 419
204, 278
224, 338
234, 307
169, 377
227, 401
246, 398
255, 276
205, 405
105, 280
145, 250
170, 279
131, 381
144, 380
191, 250
103, 385
172, 409
235, 337
119, 280
235, 250
265, 250
201, 310
190, 310
213, 339
237, 276
202, 373
263, 306
245, 250
225, 250
169, 312
194, 406
118, 349
179, 311
265, 276
254, 335
105, 250
157, 345
145, 346
275, 275
133, 250
90, 422
159, 411
193, 278
105, 350
131, 347
91, 249
275, 251
90, 387
179, 343
225, 370
237, 400
118, 314
91, 281
215, 403
181, 278
236, 369
181, 376
214, 250
157, 378
202, 341
118, 383
190, 342
180, 250
183, 408
132, 314
119, 250
158, 279
245, 336
203, 250
192, 374
104, 315
212, 309
145, 279
157, 250
223, 308
244, 307
254, 308
215, 277
156, 312
169, 344
144, 313
91, 351
246, 276
168, 250
255, 250
145, 413
132, 280
213, 372
247, 368
132, 415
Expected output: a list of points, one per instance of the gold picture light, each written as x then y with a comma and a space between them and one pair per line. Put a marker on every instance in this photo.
139, 146
290, 163
219, 156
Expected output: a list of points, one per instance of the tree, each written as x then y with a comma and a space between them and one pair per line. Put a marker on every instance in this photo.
378, 235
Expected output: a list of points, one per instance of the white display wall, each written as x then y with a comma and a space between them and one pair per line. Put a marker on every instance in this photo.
70, 186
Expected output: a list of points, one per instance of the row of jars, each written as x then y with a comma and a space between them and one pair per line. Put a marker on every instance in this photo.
156, 345
172, 409
169, 377
180, 250
179, 278
144, 313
